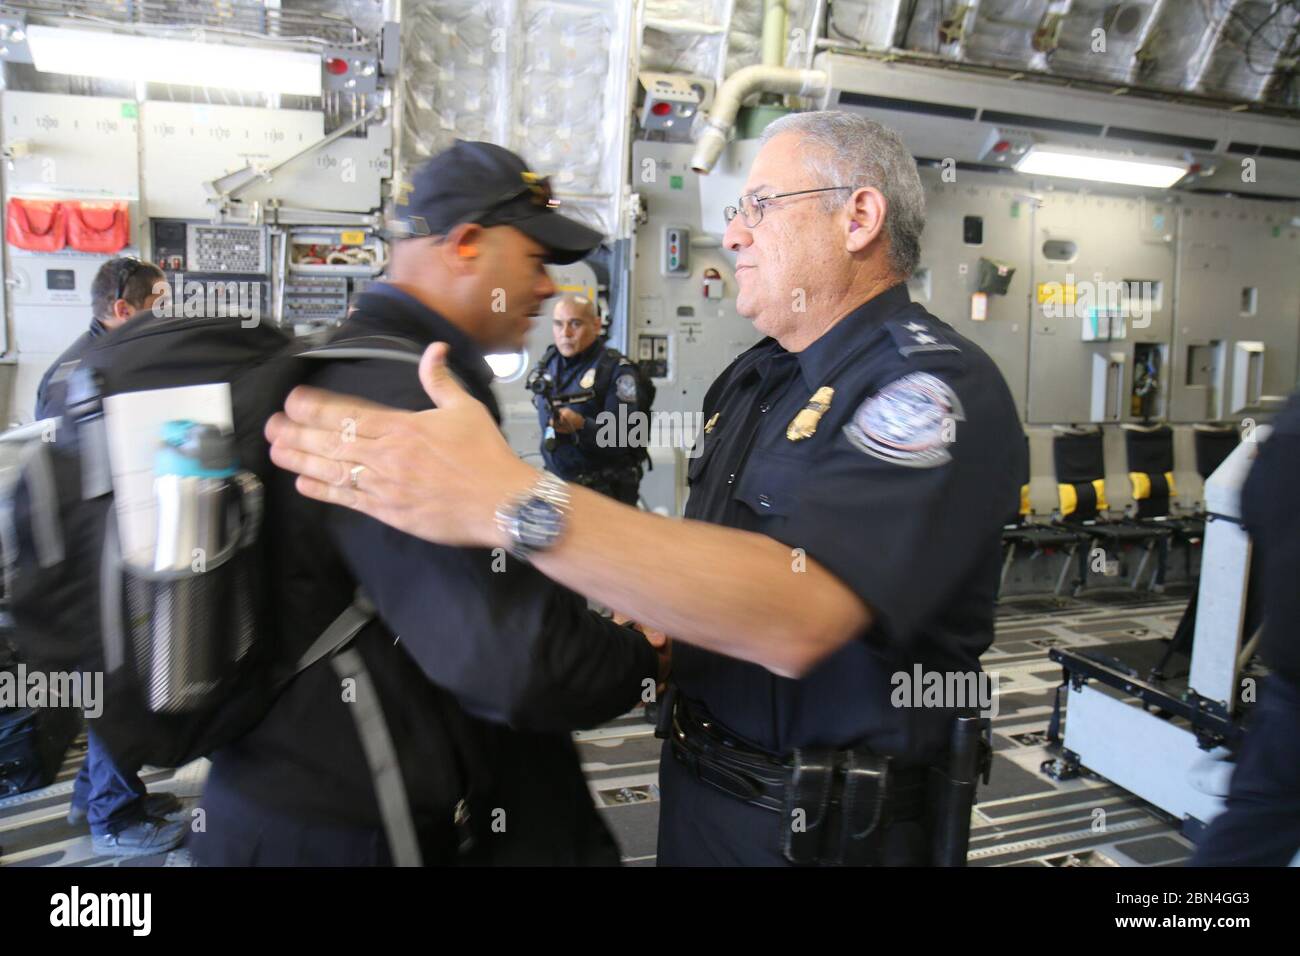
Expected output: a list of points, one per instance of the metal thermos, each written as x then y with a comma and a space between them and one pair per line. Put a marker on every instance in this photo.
198, 505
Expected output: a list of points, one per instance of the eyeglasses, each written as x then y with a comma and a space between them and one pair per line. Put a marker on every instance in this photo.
127, 275
752, 204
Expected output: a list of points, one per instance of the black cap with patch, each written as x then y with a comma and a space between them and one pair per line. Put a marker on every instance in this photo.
486, 184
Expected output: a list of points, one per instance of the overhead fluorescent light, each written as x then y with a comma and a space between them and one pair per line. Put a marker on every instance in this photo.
122, 56
1069, 163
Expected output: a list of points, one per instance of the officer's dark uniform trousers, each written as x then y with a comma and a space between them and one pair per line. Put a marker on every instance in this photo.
900, 493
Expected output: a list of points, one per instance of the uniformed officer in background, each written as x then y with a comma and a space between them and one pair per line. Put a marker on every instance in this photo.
583, 389
843, 527
1261, 823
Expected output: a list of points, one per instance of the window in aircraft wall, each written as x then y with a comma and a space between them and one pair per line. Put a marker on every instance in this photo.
1249, 300
1060, 250
972, 230
509, 366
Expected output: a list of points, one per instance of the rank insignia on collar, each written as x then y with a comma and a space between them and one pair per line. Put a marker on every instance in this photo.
588, 378
709, 425
804, 425
915, 336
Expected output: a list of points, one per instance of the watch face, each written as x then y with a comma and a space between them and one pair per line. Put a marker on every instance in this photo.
539, 523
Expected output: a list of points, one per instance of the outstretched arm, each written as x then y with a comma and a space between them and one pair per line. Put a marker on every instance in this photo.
441, 474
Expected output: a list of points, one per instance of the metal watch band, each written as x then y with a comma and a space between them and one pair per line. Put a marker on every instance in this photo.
548, 488
551, 488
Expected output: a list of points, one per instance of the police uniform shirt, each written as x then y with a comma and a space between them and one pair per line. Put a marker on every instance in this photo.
482, 666
900, 492
618, 393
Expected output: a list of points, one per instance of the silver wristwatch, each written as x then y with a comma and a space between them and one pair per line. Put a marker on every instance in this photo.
535, 520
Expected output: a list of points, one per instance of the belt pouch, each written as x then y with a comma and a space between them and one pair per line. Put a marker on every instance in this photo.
807, 810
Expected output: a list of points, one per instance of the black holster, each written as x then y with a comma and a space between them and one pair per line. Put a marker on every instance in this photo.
951, 790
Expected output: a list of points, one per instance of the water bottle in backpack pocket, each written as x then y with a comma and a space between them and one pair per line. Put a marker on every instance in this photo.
189, 615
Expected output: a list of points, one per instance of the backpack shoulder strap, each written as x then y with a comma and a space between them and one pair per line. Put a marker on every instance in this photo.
337, 636
376, 740
381, 757
606, 365
390, 347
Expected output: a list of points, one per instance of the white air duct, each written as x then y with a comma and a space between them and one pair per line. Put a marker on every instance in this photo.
712, 138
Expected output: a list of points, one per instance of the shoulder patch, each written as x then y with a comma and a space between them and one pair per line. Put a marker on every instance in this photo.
909, 422
625, 386
913, 335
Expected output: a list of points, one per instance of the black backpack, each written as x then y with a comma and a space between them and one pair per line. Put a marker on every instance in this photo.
75, 605
33, 740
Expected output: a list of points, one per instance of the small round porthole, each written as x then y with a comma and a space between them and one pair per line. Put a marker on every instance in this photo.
1060, 250
508, 366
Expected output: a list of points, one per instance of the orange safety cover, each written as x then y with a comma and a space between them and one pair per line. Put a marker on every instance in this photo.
98, 226
37, 225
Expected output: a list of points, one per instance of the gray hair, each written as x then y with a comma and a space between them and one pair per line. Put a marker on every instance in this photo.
852, 150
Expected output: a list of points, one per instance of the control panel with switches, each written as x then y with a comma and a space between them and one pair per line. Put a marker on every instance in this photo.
226, 248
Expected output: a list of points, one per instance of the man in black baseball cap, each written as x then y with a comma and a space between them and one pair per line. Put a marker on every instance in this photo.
484, 184
474, 231
481, 665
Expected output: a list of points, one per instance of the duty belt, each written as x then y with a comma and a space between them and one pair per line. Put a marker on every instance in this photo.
719, 758
835, 802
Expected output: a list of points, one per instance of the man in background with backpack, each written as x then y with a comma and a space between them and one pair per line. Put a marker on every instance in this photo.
123, 287
124, 819
588, 399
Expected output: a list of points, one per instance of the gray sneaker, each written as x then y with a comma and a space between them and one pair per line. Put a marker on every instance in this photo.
145, 838
155, 805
